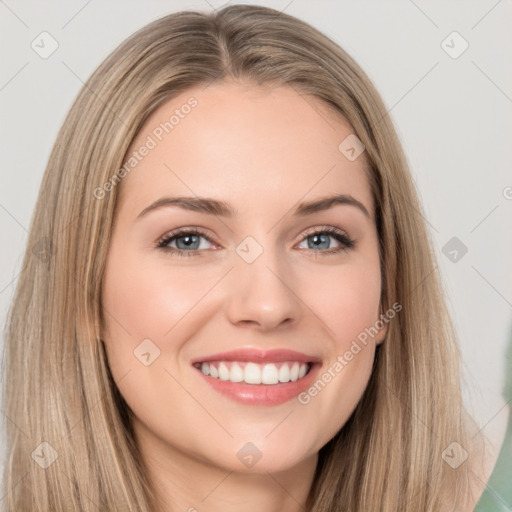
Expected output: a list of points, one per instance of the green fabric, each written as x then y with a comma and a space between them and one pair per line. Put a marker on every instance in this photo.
497, 496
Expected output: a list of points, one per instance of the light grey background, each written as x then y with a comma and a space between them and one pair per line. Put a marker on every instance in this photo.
454, 117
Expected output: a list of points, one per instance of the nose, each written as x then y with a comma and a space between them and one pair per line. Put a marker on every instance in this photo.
263, 294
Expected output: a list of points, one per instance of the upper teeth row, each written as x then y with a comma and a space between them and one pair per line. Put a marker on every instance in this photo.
253, 373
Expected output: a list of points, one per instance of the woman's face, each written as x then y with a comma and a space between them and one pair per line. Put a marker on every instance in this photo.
260, 293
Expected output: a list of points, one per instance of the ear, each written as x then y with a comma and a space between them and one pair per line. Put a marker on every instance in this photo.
381, 335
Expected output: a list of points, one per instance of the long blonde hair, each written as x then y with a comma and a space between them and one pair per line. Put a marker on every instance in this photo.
58, 389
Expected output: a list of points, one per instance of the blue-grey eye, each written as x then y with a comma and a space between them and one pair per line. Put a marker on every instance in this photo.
188, 242
185, 241
320, 240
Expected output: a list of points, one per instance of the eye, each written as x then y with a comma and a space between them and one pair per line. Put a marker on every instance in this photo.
188, 242
320, 240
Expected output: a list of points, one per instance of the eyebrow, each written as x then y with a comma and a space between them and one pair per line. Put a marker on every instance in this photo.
221, 208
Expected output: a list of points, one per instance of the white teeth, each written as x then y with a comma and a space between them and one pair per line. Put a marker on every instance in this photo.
254, 373
284, 373
294, 372
236, 373
214, 372
270, 374
223, 372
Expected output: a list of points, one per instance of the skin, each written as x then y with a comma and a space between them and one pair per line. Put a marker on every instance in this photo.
263, 150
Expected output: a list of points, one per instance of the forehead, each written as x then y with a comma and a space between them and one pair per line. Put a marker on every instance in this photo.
254, 146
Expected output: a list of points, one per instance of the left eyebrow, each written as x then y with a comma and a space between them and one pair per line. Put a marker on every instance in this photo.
221, 208
307, 208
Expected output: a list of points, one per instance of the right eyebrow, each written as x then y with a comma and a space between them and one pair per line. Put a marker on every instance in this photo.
196, 204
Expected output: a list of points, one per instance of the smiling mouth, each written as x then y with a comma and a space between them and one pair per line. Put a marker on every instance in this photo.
255, 373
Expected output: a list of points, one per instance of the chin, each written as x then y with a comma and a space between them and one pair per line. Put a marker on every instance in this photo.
257, 459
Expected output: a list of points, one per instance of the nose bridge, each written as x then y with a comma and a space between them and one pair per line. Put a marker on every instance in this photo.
261, 286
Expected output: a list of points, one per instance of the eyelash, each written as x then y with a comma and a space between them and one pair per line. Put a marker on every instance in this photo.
345, 241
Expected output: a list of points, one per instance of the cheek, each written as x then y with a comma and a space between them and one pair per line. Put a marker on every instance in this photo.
347, 302
147, 297
346, 299
150, 299
143, 300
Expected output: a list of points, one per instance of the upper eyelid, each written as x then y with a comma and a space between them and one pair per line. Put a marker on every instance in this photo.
321, 228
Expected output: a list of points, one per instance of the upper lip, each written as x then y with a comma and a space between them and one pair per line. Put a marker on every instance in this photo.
259, 356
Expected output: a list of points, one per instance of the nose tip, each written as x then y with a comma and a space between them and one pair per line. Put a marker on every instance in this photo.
261, 297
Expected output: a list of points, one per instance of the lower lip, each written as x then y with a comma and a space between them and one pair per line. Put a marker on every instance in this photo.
262, 394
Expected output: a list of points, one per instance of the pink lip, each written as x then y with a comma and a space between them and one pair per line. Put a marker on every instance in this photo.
261, 394
259, 356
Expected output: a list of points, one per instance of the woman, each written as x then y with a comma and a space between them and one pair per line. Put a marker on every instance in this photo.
257, 372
